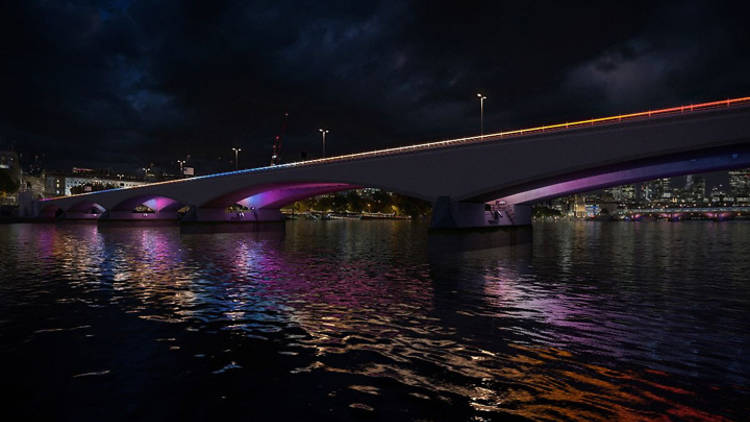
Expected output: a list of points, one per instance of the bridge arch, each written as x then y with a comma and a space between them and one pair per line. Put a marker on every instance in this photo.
460, 176
276, 195
511, 205
50, 211
263, 202
82, 210
146, 207
625, 173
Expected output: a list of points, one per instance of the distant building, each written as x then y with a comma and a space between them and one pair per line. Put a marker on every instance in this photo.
54, 185
57, 184
657, 191
34, 184
698, 190
73, 181
10, 177
739, 185
622, 194
719, 196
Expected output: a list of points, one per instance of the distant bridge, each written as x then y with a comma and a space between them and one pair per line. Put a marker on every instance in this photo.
461, 177
680, 213
673, 210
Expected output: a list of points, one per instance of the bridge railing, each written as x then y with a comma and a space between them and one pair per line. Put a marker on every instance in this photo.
601, 121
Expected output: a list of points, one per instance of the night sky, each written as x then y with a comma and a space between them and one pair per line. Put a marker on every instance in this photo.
124, 83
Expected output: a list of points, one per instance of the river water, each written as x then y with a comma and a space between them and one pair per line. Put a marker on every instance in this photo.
376, 320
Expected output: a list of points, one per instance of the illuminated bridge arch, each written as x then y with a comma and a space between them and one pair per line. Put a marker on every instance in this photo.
621, 174
263, 202
460, 176
155, 207
276, 195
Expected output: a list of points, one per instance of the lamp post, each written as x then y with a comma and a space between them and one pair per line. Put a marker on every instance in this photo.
323, 132
236, 157
181, 163
481, 113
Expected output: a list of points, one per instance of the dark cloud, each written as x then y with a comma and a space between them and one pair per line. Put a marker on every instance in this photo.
129, 82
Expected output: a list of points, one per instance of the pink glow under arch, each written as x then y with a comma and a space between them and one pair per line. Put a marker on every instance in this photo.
277, 195
155, 202
626, 173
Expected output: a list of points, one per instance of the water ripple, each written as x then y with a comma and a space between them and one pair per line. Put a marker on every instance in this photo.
588, 322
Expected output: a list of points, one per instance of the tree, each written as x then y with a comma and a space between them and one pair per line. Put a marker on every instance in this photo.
542, 211
7, 183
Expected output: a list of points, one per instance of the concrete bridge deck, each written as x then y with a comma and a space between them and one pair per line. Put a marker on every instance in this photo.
460, 176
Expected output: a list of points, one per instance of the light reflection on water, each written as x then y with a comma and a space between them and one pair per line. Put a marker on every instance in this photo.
587, 321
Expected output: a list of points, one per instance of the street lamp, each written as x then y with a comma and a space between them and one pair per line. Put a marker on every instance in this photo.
481, 113
181, 163
236, 157
323, 132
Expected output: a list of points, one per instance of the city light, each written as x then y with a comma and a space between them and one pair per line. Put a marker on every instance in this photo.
481, 113
324, 132
236, 157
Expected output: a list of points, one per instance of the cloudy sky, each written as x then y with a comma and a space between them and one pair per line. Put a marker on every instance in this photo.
123, 83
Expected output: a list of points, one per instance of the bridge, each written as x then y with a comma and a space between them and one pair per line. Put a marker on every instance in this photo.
680, 213
476, 181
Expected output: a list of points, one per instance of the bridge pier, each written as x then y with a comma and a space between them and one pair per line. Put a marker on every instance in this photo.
449, 214
221, 215
122, 215
80, 215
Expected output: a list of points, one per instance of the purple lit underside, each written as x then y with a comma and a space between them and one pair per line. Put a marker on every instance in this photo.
277, 196
156, 203
274, 196
265, 196
634, 175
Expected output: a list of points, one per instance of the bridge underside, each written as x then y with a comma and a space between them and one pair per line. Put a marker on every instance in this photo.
251, 204
514, 208
261, 203
501, 208
628, 173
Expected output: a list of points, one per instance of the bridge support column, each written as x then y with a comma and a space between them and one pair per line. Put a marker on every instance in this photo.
220, 215
448, 214
117, 215
80, 215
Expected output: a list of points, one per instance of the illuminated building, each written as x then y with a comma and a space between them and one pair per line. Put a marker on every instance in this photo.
719, 196
624, 193
656, 191
73, 181
739, 185
58, 184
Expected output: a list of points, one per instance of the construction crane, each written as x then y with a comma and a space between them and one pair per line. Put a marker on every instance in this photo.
276, 157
